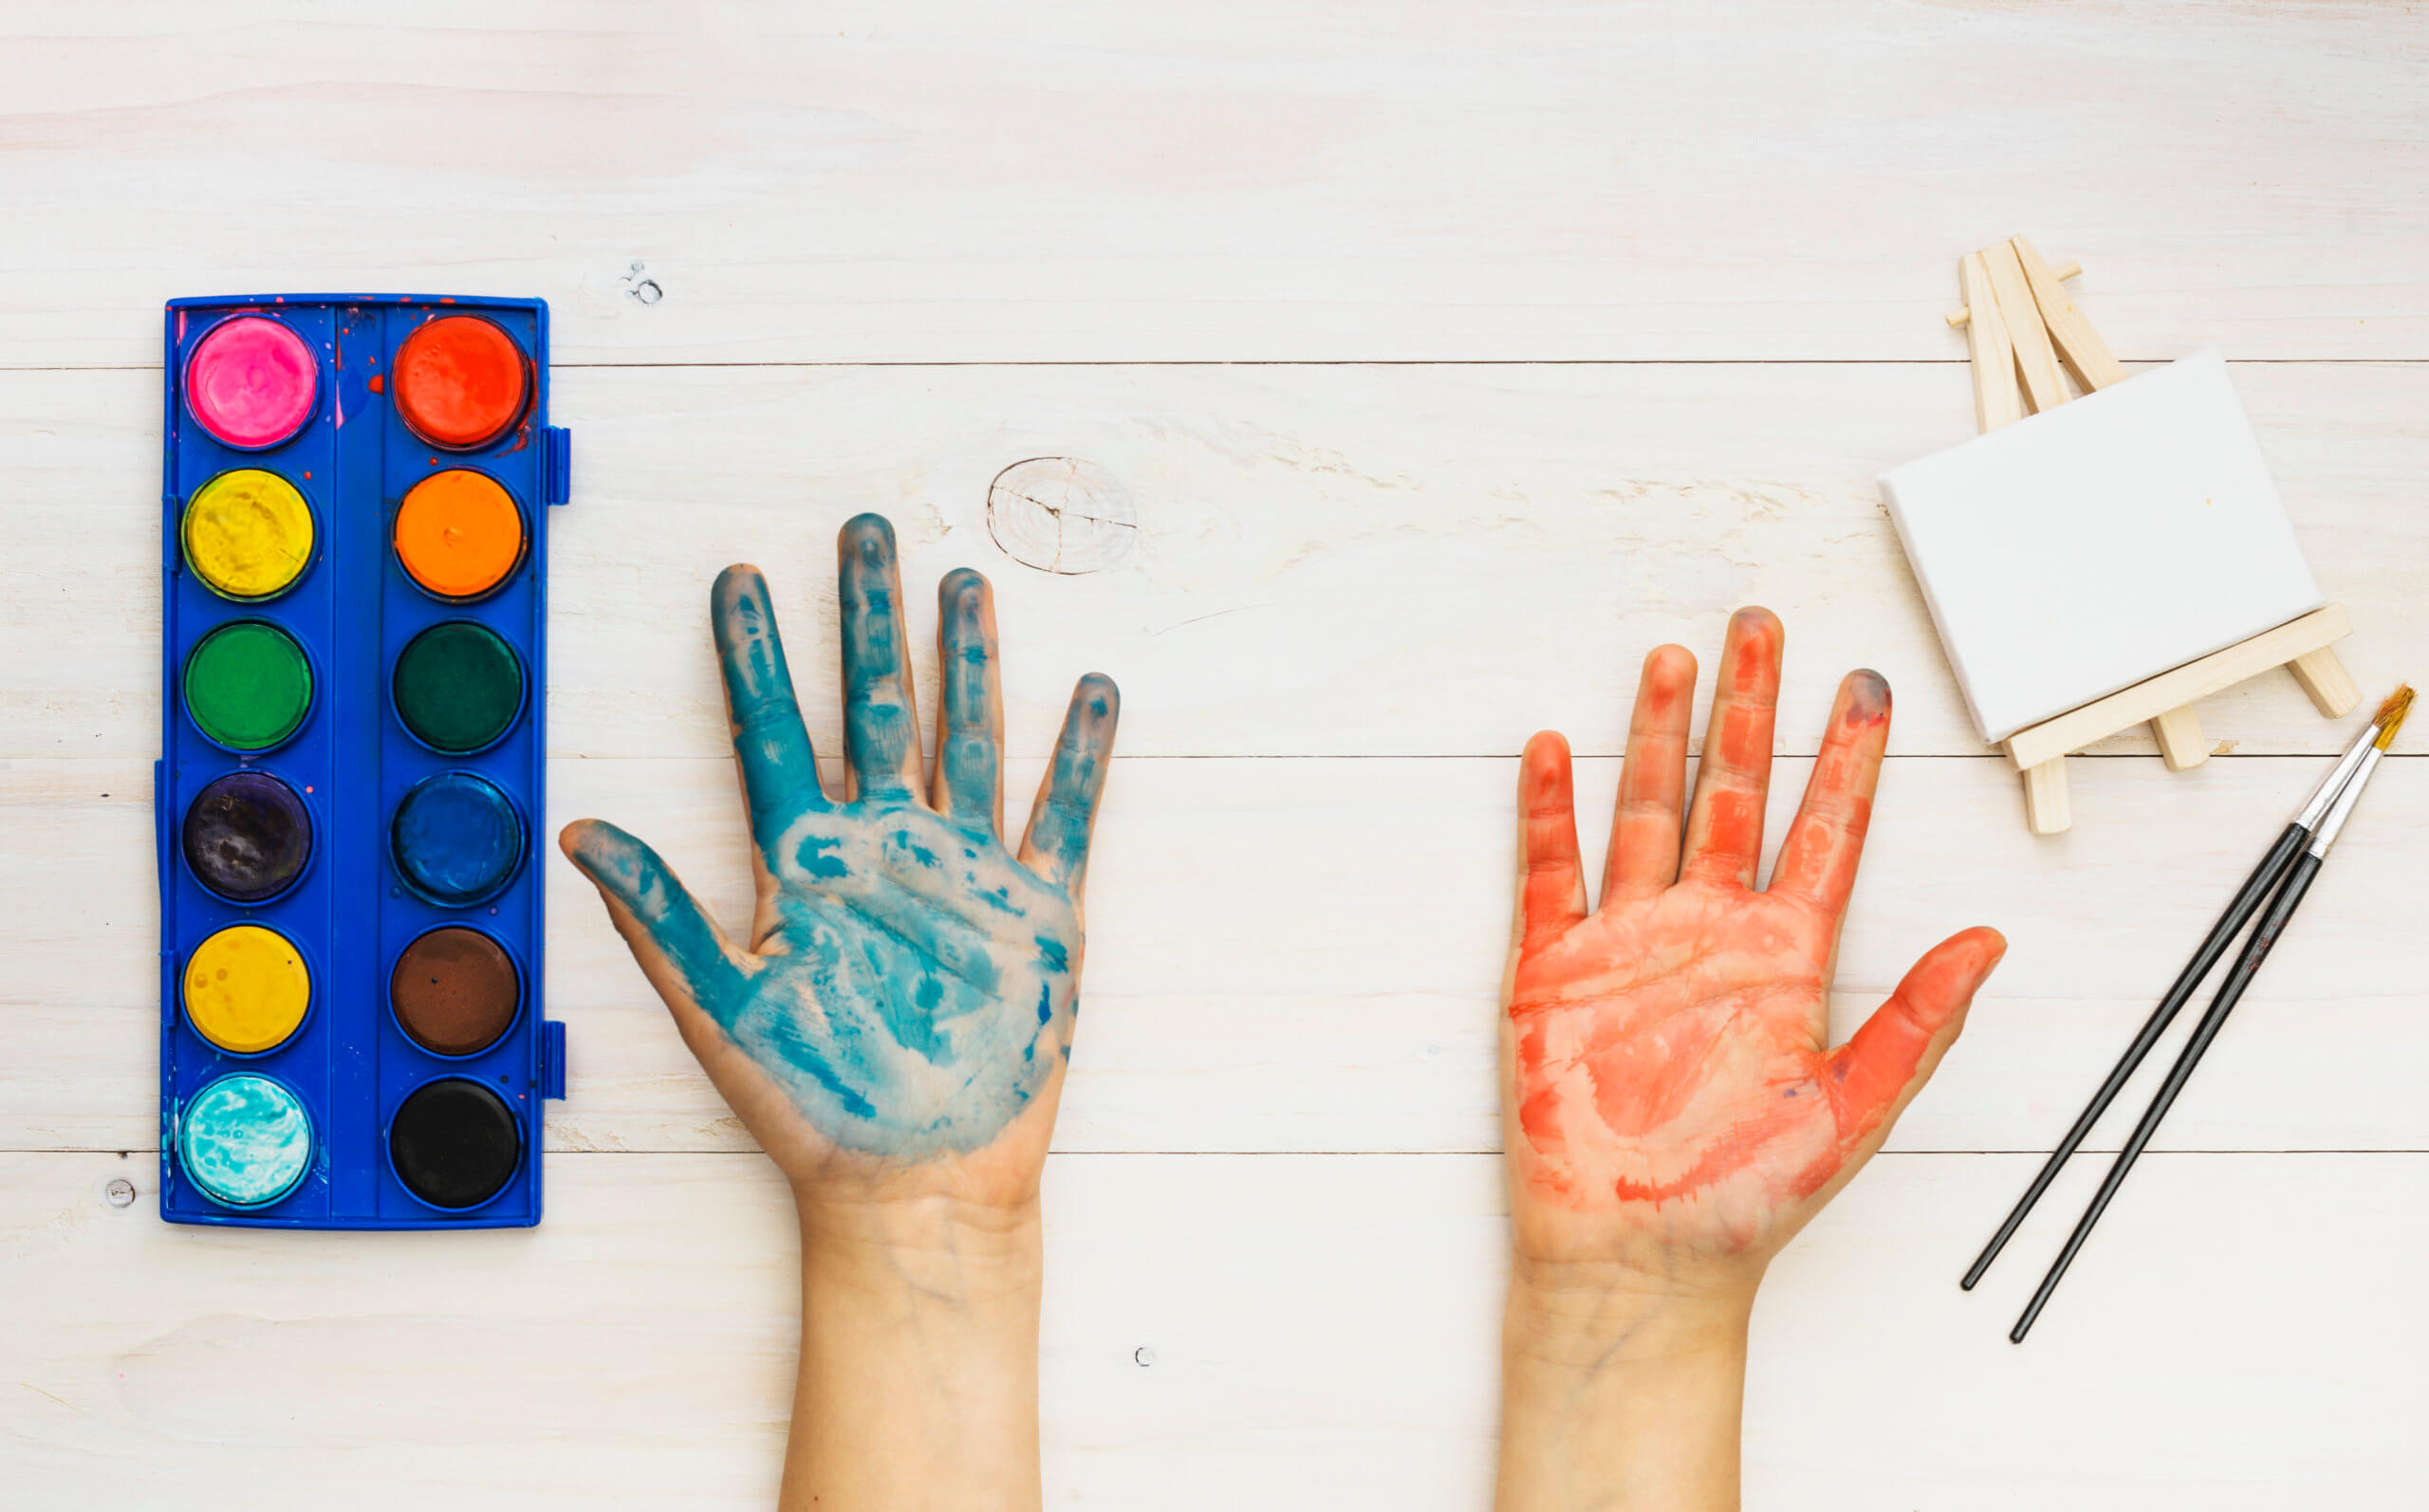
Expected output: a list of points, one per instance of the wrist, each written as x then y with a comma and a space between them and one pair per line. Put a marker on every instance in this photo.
1621, 1391
936, 1247
1593, 1313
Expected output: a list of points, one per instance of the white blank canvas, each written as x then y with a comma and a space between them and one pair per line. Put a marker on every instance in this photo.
2080, 550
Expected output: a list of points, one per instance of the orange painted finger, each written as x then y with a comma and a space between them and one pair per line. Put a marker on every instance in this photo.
1551, 876
1653, 780
1725, 828
1886, 1062
1825, 841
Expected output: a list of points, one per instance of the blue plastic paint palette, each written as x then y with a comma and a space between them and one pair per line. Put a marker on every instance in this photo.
351, 1032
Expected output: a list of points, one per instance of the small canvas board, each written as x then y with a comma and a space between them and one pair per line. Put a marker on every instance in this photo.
2086, 548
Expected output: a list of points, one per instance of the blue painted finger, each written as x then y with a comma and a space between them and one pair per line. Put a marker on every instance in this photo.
970, 719
880, 722
671, 934
1056, 847
779, 770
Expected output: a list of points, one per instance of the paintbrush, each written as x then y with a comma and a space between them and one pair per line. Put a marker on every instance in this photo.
2264, 936
2247, 898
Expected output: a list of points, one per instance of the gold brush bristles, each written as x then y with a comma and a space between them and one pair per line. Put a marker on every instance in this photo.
2390, 715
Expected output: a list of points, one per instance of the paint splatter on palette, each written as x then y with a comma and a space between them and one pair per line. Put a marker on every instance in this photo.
356, 493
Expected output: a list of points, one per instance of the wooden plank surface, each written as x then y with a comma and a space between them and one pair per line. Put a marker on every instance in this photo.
1306, 954
1560, 332
1216, 1336
1331, 560
1262, 180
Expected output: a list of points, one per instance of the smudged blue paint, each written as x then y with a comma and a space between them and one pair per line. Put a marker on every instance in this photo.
816, 857
1062, 826
779, 769
878, 725
969, 760
884, 1010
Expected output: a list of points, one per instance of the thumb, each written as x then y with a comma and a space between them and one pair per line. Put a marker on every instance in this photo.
681, 949
1886, 1062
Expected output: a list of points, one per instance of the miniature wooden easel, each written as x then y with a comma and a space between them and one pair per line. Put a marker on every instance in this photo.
2020, 325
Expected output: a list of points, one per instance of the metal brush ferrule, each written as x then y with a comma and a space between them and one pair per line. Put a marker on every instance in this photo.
2324, 796
2342, 809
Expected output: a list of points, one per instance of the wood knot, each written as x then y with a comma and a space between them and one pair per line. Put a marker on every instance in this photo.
1061, 514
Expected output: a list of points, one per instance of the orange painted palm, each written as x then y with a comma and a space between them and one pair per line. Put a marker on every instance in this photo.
1671, 1102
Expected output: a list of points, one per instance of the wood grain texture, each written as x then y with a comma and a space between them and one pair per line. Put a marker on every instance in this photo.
1334, 561
1217, 1336
1092, 181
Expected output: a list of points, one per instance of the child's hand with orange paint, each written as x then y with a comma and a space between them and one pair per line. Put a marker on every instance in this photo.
1672, 1109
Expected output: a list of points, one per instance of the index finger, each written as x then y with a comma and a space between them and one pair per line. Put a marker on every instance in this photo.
779, 770
1826, 840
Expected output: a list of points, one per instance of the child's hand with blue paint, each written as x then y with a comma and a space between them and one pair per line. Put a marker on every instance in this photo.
895, 1034
899, 1022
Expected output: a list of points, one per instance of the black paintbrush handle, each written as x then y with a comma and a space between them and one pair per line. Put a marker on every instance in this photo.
2272, 924
2214, 945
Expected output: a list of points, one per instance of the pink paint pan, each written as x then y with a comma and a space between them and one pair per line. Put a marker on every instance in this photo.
251, 382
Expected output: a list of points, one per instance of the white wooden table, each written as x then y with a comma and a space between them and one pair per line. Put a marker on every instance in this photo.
1451, 357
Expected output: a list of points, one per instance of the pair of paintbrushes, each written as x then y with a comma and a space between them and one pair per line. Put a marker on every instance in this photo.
2287, 870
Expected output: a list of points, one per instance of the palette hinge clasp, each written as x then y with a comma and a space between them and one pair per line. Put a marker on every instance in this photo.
557, 443
552, 1060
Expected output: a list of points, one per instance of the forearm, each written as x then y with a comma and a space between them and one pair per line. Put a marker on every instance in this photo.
1618, 1398
918, 1361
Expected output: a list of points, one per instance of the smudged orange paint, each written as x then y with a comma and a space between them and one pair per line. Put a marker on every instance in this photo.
1643, 1082
1744, 741
1754, 636
1736, 826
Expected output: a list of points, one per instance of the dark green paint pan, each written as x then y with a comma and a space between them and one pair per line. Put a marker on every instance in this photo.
458, 688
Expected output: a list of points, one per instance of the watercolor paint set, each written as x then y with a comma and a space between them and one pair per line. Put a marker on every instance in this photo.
355, 497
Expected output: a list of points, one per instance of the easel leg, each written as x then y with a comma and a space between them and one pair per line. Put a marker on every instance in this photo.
2044, 798
2179, 736
2332, 689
